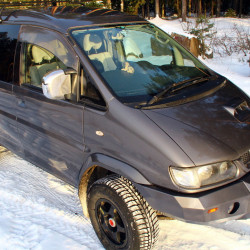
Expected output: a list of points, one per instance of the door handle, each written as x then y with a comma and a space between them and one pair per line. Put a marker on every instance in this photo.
21, 103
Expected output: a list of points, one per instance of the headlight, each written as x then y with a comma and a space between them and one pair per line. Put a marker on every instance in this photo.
198, 177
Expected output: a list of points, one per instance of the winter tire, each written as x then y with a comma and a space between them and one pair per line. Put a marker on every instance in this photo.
121, 217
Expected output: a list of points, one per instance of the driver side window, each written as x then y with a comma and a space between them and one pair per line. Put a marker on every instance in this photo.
37, 63
45, 50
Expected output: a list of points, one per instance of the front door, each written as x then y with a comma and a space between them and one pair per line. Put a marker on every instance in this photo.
51, 131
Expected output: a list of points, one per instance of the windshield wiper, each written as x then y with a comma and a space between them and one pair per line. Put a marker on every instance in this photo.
172, 88
192, 83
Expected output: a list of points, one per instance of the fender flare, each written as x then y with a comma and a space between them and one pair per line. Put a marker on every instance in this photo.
110, 164
115, 166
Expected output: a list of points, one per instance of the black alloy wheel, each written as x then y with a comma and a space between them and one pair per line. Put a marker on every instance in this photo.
121, 217
111, 222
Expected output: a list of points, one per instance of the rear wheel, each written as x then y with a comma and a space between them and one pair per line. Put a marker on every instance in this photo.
120, 216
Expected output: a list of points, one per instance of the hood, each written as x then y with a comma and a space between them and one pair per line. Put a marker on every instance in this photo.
212, 129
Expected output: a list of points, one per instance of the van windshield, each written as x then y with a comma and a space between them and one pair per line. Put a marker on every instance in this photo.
138, 61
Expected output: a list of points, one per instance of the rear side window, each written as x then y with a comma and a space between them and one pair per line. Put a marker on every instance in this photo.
8, 41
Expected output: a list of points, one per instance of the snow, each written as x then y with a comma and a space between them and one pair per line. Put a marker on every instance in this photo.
38, 211
235, 67
238, 73
173, 27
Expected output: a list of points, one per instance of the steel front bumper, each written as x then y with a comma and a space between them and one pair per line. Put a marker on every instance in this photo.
231, 201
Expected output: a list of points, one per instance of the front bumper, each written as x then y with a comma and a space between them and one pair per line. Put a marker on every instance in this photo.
194, 207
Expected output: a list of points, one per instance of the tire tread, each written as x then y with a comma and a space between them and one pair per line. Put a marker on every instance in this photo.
144, 216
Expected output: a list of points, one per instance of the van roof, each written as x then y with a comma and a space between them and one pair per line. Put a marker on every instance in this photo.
62, 18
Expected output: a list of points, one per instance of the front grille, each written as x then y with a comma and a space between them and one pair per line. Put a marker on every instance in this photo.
245, 158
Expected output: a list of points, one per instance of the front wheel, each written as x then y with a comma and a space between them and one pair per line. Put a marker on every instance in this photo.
121, 217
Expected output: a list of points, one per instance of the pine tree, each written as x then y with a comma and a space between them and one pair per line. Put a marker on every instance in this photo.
184, 10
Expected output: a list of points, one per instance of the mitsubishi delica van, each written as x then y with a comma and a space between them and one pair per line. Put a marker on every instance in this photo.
114, 106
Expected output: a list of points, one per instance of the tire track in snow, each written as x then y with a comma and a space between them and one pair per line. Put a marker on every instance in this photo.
36, 182
27, 215
39, 204
24, 235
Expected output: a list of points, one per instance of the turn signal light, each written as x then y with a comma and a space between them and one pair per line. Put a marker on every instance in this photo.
212, 210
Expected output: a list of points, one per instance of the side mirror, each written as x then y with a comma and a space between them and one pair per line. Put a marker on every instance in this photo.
57, 84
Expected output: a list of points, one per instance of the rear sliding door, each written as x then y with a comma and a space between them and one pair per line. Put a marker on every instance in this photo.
8, 127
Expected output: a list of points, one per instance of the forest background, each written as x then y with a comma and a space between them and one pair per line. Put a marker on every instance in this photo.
152, 8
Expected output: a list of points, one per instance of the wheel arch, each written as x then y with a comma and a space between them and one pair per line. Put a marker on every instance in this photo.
98, 166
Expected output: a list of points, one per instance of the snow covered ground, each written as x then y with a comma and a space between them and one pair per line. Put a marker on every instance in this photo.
39, 211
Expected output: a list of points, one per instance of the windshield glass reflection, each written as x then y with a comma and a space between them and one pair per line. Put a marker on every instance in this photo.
137, 61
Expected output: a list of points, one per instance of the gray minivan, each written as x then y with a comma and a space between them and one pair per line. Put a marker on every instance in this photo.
114, 106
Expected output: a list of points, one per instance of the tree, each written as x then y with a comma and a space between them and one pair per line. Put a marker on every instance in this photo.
163, 7
240, 11
218, 8
132, 6
178, 9
199, 8
109, 4
148, 10
212, 8
184, 10
203, 30
157, 8
189, 7
235, 4
122, 5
